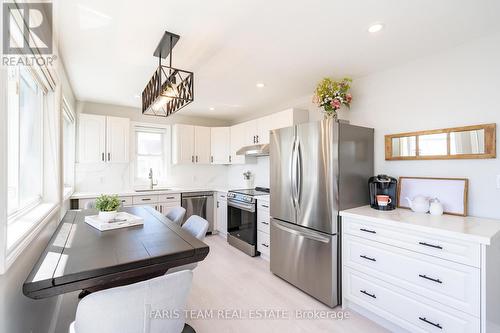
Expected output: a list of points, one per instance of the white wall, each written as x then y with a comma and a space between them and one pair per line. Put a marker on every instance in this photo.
259, 169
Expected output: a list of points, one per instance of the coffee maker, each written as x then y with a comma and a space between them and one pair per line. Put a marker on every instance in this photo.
383, 185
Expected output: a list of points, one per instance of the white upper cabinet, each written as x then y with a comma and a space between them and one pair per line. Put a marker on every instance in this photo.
183, 144
220, 142
103, 139
202, 145
238, 140
264, 125
251, 132
190, 144
117, 139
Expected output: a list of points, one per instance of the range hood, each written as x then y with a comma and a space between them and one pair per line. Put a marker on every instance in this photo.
254, 150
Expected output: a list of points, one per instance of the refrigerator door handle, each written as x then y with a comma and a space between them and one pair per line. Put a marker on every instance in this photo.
306, 234
299, 173
293, 173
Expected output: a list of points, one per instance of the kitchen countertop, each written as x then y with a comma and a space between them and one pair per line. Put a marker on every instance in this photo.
127, 193
474, 229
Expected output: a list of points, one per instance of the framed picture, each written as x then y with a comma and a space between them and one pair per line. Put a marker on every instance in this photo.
451, 192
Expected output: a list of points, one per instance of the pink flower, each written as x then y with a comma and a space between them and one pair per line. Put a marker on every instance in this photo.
348, 98
335, 104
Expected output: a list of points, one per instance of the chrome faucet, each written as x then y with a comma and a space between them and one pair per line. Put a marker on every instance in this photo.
152, 184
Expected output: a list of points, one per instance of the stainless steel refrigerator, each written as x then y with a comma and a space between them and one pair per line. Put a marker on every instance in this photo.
317, 169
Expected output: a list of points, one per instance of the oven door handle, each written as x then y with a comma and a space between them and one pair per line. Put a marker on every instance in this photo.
242, 206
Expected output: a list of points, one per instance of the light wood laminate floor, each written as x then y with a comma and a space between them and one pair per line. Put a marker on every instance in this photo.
228, 283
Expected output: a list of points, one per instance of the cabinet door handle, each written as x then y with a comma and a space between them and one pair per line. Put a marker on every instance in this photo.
218, 204
161, 209
430, 322
196, 158
367, 293
229, 158
369, 231
257, 139
212, 159
368, 258
192, 159
265, 245
266, 223
102, 157
265, 206
109, 157
423, 276
146, 199
430, 245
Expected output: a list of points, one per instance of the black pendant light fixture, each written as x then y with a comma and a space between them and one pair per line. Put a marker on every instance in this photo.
170, 89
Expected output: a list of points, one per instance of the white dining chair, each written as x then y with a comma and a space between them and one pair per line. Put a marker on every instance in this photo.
176, 215
196, 226
152, 306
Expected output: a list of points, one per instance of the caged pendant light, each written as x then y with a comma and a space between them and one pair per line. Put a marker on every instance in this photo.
169, 89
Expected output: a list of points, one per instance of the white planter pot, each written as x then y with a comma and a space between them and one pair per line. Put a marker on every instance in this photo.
249, 183
107, 216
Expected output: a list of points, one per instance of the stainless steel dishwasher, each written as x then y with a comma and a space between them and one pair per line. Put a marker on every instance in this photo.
201, 204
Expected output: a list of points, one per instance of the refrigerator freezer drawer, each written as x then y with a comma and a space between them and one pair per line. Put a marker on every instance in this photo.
305, 258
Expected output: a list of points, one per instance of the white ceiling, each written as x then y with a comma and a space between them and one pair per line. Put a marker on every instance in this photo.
230, 45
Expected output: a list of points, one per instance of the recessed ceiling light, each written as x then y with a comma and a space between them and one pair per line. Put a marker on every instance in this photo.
376, 27
260, 85
211, 108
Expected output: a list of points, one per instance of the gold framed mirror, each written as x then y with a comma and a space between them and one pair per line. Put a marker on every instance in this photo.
469, 142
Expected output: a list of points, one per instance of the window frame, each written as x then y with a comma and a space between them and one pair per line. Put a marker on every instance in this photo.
164, 130
67, 114
12, 215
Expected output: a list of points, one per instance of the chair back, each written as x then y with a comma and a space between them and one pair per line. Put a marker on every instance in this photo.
196, 226
153, 306
176, 215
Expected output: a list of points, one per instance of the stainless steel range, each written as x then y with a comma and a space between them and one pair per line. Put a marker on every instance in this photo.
242, 219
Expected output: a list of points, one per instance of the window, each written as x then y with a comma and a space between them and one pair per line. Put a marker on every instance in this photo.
150, 152
25, 141
68, 137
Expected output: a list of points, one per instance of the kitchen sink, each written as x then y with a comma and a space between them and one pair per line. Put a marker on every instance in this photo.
153, 190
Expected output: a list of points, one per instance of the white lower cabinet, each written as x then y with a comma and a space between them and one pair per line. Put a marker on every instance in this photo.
421, 279
163, 203
410, 311
221, 212
263, 221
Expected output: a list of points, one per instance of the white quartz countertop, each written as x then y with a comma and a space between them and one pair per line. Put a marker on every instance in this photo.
126, 193
474, 229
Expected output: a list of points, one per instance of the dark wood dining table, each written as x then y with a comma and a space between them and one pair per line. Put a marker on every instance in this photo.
80, 257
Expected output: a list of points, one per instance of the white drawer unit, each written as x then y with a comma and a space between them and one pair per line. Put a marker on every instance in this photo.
263, 244
405, 309
172, 197
422, 273
455, 250
263, 227
145, 199
447, 282
127, 201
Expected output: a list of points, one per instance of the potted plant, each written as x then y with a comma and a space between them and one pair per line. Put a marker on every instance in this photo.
107, 206
331, 95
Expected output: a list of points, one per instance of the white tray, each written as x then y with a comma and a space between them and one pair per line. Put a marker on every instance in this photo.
122, 220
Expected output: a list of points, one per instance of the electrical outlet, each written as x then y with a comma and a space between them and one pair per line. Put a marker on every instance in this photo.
498, 182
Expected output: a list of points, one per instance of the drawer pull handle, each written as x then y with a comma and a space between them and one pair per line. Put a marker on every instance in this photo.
367, 293
430, 245
266, 223
146, 199
367, 230
170, 197
123, 200
367, 258
265, 245
430, 322
265, 206
431, 279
